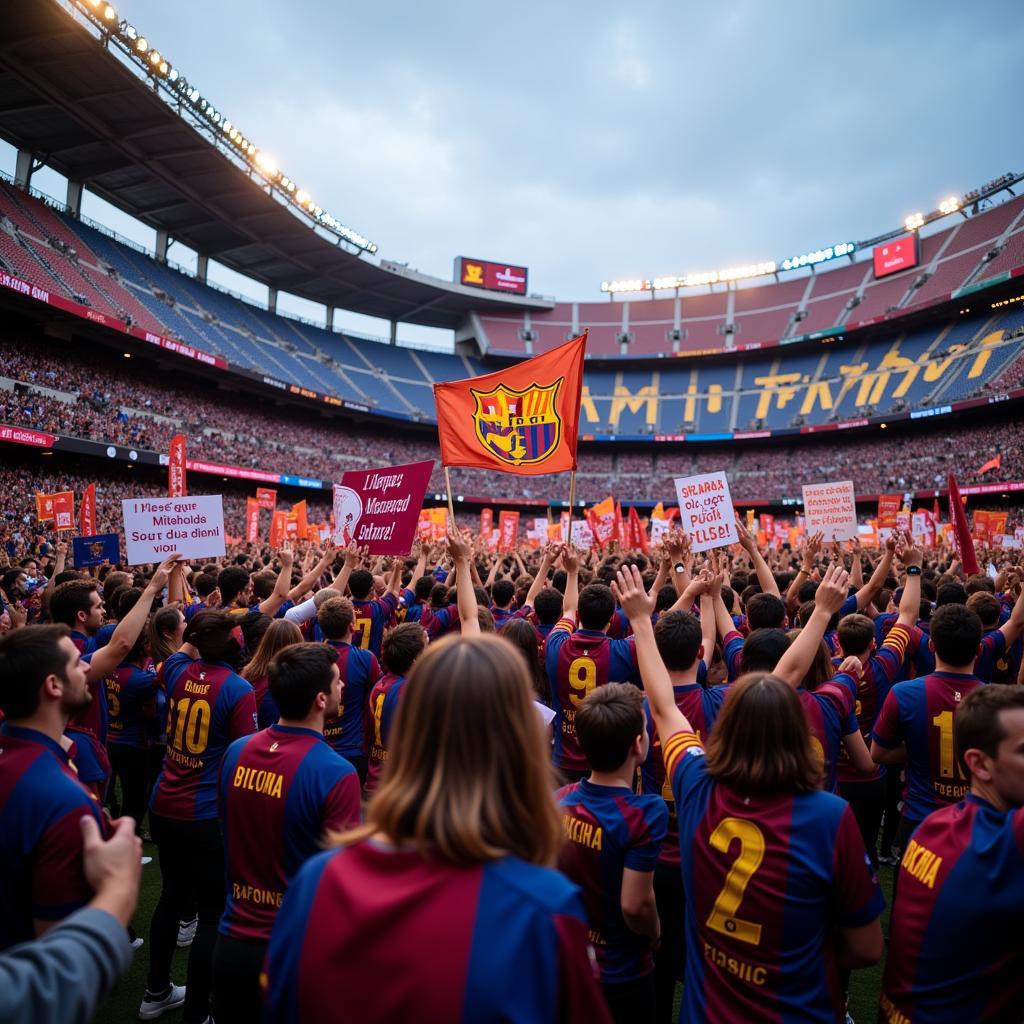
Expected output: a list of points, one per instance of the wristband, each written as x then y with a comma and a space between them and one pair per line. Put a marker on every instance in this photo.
680, 567
913, 570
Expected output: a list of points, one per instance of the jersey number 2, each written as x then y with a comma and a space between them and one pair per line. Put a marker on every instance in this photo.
723, 914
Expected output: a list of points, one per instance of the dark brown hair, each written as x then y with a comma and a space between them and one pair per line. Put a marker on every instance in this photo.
761, 744
977, 725
280, 634
607, 722
336, 616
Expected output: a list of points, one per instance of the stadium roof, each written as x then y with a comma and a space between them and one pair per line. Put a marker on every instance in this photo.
67, 98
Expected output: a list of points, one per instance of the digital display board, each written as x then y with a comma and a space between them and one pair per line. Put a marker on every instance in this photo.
892, 257
496, 277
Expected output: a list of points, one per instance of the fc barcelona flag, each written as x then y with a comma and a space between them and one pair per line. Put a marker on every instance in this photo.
523, 419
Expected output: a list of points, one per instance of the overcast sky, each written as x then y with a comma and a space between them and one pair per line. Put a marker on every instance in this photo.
596, 140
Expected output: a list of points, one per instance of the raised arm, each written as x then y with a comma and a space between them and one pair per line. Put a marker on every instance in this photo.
856, 565
122, 640
58, 567
910, 601
541, 579
638, 606
828, 599
749, 544
811, 548
460, 549
283, 585
867, 593
309, 580
571, 561
352, 559
1014, 625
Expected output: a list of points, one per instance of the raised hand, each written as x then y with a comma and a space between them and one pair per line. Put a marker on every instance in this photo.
832, 591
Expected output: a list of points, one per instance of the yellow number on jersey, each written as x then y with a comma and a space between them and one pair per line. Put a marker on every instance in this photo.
723, 914
582, 678
378, 710
362, 628
191, 730
113, 704
948, 764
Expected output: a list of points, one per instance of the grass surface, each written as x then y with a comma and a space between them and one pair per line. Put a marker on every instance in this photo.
123, 1003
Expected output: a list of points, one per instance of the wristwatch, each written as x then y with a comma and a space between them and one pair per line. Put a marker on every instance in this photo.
680, 567
913, 570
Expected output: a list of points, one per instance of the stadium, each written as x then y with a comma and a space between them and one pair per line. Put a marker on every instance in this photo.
892, 360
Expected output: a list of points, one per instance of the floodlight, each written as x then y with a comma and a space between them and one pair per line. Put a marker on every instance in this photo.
109, 14
914, 221
141, 45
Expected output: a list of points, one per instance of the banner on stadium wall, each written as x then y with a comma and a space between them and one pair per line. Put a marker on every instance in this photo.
252, 520
266, 497
87, 512
278, 528
888, 506
95, 550
832, 509
508, 530
706, 511
157, 527
380, 508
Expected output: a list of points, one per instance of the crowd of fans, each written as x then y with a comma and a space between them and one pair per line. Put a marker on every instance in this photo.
106, 399
650, 768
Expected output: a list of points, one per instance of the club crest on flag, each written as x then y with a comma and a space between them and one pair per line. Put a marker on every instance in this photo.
518, 427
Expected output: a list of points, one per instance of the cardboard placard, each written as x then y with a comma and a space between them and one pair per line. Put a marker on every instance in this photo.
380, 508
157, 527
705, 510
832, 509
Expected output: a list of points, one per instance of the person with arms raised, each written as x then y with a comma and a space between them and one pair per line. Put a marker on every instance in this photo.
780, 895
281, 793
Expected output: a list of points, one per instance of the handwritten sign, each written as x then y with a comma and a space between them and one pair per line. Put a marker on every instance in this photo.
156, 527
832, 509
705, 511
380, 508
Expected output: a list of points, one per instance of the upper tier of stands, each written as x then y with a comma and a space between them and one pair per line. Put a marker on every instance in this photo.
774, 389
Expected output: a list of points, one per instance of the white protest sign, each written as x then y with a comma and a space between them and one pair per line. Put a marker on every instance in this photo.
582, 535
157, 527
705, 511
832, 509
659, 528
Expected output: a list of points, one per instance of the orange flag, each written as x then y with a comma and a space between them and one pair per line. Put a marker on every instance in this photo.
87, 512
523, 419
996, 462
176, 468
298, 516
252, 520
278, 528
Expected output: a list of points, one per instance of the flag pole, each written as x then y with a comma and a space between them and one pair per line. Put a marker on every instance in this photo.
572, 502
448, 488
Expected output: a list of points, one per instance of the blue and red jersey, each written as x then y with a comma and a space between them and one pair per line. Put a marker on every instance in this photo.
919, 714
280, 792
359, 670
371, 618
608, 829
993, 654
829, 710
41, 803
131, 696
90, 761
439, 621
955, 952
577, 663
701, 706
376, 740
880, 672
410, 609
372, 933
94, 715
768, 881
208, 707
266, 708
732, 651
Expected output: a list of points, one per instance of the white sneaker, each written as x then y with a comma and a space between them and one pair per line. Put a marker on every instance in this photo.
153, 1008
138, 942
147, 860
187, 932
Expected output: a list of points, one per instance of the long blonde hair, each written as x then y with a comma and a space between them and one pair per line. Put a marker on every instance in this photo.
467, 777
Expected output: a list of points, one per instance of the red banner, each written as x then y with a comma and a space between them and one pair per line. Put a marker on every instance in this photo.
19, 435
64, 510
486, 522
278, 528
299, 518
508, 530
266, 497
961, 532
637, 533
87, 512
380, 508
176, 468
888, 506
252, 520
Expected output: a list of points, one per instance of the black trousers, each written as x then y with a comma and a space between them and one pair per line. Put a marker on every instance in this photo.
670, 956
130, 766
893, 795
192, 870
360, 763
631, 1002
237, 964
867, 801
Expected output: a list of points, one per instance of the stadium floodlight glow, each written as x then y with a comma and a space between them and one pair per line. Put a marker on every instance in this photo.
628, 285
914, 221
155, 64
809, 259
950, 205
